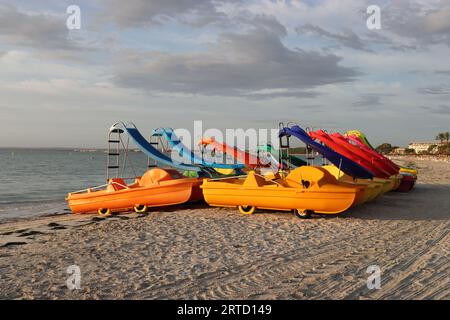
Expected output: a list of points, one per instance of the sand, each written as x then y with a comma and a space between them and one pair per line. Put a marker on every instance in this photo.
196, 252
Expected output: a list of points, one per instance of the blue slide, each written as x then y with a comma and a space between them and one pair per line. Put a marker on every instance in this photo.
348, 166
186, 153
154, 153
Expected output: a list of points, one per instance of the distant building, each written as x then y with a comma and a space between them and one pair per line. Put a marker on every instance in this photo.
421, 146
398, 151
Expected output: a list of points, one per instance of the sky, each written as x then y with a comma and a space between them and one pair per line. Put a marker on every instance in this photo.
228, 63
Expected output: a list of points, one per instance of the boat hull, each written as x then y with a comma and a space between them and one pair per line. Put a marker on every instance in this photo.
157, 193
407, 183
373, 188
324, 195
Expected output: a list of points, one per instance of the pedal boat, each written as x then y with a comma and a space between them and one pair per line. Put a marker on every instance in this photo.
407, 183
157, 187
374, 187
305, 190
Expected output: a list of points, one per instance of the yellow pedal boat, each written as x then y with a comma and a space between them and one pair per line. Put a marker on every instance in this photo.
305, 190
375, 187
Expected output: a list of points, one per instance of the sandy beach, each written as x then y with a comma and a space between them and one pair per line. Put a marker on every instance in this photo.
199, 252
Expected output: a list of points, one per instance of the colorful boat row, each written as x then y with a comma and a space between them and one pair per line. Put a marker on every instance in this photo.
355, 174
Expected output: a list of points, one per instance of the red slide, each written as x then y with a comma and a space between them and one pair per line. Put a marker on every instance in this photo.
361, 145
244, 157
373, 158
351, 152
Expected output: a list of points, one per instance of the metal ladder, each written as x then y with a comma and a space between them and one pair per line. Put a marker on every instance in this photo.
157, 142
309, 156
283, 153
153, 140
113, 152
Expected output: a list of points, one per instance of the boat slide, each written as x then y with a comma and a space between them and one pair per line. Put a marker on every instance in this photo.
357, 154
245, 157
368, 150
154, 153
358, 135
345, 164
186, 153
361, 136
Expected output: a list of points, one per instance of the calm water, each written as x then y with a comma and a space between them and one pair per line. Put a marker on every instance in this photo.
36, 181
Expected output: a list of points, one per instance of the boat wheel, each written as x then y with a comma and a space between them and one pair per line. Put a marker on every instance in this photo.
104, 212
247, 209
303, 214
140, 208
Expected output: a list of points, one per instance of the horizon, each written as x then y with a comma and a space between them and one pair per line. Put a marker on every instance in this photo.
230, 63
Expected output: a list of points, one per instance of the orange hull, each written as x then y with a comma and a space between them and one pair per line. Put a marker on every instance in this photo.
157, 187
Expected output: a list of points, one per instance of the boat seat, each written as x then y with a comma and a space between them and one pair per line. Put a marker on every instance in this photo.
307, 176
116, 184
155, 175
253, 180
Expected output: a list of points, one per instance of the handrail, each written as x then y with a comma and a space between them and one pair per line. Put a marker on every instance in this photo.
100, 186
226, 178
261, 176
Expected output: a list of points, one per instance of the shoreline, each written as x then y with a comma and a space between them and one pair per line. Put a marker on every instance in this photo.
199, 252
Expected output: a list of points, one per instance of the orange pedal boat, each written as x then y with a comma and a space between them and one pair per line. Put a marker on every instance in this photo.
305, 190
157, 187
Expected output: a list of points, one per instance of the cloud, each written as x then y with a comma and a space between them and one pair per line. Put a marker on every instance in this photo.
139, 13
37, 30
440, 110
237, 65
438, 21
441, 89
347, 38
370, 100
443, 72
421, 23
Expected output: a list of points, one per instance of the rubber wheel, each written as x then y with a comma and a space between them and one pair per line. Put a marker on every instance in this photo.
246, 209
104, 212
303, 214
141, 208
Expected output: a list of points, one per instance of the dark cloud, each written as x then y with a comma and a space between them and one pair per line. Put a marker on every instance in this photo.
370, 100
346, 38
442, 89
237, 65
248, 21
367, 100
420, 24
442, 109
138, 13
443, 72
37, 30
291, 93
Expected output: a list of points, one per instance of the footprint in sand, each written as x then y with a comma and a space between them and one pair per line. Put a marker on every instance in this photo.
30, 233
56, 226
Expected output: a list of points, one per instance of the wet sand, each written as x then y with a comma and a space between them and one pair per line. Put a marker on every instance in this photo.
197, 252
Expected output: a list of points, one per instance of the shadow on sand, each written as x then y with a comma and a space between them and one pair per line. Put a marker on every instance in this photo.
424, 202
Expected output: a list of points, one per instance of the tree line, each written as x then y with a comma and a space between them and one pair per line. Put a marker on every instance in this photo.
443, 147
